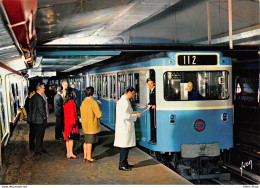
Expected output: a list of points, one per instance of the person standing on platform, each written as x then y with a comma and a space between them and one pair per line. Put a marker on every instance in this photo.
152, 109
70, 119
90, 115
77, 101
37, 117
31, 128
65, 86
125, 128
58, 110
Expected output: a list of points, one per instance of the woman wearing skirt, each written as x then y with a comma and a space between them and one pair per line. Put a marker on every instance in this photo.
90, 115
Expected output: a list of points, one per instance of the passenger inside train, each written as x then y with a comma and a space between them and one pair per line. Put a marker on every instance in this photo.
192, 94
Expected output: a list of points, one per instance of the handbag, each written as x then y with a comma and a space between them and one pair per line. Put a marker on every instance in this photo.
74, 134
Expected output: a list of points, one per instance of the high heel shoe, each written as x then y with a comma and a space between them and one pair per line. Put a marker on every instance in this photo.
85, 160
91, 161
71, 157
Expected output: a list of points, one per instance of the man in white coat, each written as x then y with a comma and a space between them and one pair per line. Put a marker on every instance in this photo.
125, 128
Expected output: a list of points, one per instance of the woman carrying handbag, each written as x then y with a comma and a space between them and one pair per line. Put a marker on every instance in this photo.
70, 119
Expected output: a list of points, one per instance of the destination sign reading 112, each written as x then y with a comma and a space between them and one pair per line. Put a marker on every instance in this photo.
193, 59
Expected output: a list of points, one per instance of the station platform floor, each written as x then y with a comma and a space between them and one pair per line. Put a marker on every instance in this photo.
23, 167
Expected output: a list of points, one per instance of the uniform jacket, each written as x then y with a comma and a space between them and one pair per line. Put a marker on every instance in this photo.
90, 114
37, 109
152, 97
125, 127
58, 105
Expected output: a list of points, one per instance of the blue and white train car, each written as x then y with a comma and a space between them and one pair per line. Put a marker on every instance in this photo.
194, 128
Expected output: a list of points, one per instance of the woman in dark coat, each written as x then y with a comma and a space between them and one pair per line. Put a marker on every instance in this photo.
70, 119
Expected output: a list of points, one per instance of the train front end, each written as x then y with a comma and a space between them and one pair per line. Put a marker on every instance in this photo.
197, 122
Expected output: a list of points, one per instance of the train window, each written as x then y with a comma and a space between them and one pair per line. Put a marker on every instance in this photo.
121, 85
90, 80
94, 84
206, 85
136, 86
2, 117
114, 87
13, 100
83, 85
99, 85
105, 86
110, 87
130, 80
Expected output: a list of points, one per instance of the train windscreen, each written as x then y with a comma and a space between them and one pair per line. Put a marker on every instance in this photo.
196, 85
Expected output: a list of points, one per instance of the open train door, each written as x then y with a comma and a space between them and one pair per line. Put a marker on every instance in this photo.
152, 102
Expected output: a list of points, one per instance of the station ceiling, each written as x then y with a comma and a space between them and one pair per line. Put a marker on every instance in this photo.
136, 22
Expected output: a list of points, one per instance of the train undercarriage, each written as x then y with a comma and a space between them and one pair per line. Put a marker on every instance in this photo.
195, 168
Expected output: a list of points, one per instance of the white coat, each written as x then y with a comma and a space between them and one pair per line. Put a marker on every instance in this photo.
125, 127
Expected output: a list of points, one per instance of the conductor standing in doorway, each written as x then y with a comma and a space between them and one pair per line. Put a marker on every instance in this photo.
125, 128
152, 109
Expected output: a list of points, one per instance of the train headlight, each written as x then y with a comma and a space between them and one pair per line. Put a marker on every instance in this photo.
172, 119
224, 117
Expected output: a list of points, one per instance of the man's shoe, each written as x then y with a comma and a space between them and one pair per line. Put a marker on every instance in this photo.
130, 166
38, 153
124, 168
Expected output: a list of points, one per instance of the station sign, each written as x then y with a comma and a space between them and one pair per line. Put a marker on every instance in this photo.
34, 73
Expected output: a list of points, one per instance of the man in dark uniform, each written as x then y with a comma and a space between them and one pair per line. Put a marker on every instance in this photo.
58, 110
152, 109
38, 118
31, 127
192, 94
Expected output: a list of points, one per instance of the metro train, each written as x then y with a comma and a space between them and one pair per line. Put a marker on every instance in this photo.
189, 132
192, 135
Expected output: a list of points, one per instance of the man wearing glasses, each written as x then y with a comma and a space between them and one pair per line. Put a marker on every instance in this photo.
38, 118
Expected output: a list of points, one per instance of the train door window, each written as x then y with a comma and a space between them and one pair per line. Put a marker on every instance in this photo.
13, 100
78, 83
136, 86
90, 81
25, 89
114, 86
99, 85
18, 95
110, 87
121, 83
152, 74
2, 117
83, 81
205, 85
130, 80
95, 84
105, 86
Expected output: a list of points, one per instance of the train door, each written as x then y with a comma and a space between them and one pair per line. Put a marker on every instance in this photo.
112, 98
99, 80
152, 101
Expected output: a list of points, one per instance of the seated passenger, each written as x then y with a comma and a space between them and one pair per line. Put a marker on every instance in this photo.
192, 94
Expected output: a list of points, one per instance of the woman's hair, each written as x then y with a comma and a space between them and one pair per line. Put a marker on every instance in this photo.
89, 91
70, 95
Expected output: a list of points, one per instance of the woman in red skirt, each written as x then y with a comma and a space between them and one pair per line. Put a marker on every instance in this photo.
70, 119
